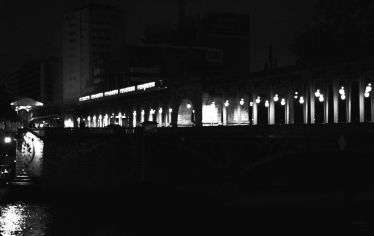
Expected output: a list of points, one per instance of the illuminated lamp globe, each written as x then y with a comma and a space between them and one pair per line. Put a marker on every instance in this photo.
251, 104
317, 93
7, 140
160, 110
321, 98
241, 102
366, 94
283, 102
170, 110
341, 90
368, 89
258, 100
276, 98
301, 101
266, 103
188, 106
342, 96
227, 103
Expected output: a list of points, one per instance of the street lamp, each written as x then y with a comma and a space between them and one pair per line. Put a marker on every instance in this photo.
283, 101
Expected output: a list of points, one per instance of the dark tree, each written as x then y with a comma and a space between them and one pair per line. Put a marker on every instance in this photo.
6, 111
343, 30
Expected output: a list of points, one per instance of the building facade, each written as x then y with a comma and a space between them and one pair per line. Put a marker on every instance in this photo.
319, 95
93, 36
39, 80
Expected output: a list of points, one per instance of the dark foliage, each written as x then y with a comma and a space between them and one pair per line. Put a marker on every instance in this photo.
6, 111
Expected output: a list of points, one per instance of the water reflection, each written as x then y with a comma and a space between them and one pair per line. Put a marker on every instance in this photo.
20, 218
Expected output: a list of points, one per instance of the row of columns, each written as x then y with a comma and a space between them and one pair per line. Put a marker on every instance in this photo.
331, 97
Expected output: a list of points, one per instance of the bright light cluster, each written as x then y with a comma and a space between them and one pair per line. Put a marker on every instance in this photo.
276, 98
301, 100
283, 101
266, 103
296, 96
342, 93
367, 90
319, 95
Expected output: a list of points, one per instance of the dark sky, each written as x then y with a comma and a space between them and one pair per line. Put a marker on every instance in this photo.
32, 29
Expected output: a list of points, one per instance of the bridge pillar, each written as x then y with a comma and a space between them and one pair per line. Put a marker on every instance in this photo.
271, 113
348, 102
306, 106
254, 109
372, 108
335, 94
361, 88
289, 107
326, 105
224, 111
312, 104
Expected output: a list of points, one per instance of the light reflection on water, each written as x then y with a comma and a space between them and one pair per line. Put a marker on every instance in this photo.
21, 218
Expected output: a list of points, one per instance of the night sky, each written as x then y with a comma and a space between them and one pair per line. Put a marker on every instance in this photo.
32, 29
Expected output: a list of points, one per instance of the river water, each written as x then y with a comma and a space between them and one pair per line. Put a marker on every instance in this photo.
168, 213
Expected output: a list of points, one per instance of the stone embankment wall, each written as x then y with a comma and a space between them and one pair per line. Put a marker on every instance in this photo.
299, 155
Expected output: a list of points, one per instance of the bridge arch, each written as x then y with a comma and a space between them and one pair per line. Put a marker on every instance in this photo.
186, 113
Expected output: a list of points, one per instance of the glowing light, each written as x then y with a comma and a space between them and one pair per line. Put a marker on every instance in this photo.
160, 110
321, 98
142, 112
276, 98
189, 106
127, 89
97, 95
85, 98
367, 94
251, 104
68, 123
266, 103
301, 101
283, 101
7, 140
152, 111
341, 91
258, 100
368, 88
210, 114
213, 103
342, 97
227, 103
317, 93
111, 93
296, 95
241, 102
146, 86
170, 110
12, 220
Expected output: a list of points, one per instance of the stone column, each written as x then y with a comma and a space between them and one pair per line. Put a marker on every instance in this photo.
335, 94
289, 107
361, 89
254, 109
306, 106
326, 105
348, 103
271, 111
224, 112
312, 104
